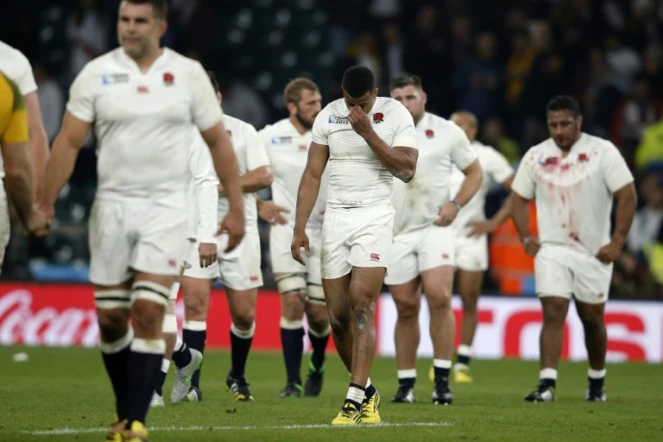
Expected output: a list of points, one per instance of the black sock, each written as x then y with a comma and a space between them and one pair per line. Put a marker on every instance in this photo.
117, 368
195, 339
548, 382
319, 346
161, 379
144, 367
407, 382
460, 359
596, 384
370, 391
182, 357
293, 346
240, 344
441, 375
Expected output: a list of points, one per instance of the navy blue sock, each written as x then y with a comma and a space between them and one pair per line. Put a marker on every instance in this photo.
195, 339
293, 346
143, 369
117, 368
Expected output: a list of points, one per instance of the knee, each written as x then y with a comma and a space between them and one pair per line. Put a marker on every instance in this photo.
439, 299
195, 306
339, 321
147, 315
113, 324
469, 305
554, 316
318, 318
362, 315
592, 319
244, 320
408, 310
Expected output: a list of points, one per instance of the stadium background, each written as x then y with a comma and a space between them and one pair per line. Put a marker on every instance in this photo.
501, 59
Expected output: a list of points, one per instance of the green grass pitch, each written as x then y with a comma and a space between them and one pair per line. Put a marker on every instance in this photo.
64, 395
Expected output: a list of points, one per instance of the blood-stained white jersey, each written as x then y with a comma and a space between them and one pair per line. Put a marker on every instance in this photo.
496, 169
357, 177
288, 154
17, 68
441, 143
144, 123
251, 154
573, 194
203, 193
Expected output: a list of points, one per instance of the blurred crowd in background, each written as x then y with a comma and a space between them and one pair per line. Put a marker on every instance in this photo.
500, 59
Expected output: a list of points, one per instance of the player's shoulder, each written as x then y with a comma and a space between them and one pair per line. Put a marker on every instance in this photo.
486, 150
334, 107
177, 60
237, 126
11, 55
544, 147
279, 127
591, 141
443, 126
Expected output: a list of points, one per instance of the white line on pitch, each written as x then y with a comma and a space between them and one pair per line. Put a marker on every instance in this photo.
58, 431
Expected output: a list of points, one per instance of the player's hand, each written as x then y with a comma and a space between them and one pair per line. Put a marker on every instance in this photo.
448, 214
39, 221
360, 122
609, 252
207, 254
531, 245
481, 228
233, 224
299, 241
271, 213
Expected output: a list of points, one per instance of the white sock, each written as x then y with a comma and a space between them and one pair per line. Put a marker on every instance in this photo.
165, 365
442, 363
355, 394
596, 374
178, 343
407, 374
464, 350
368, 384
548, 373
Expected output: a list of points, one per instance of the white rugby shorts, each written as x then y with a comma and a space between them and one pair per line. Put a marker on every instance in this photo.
280, 242
357, 237
418, 251
140, 236
238, 269
563, 272
471, 253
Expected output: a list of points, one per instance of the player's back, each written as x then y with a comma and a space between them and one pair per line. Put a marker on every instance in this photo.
357, 177
143, 123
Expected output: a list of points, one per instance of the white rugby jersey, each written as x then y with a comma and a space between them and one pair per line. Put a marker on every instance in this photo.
288, 154
144, 122
573, 194
496, 169
441, 143
251, 155
357, 177
203, 193
16, 67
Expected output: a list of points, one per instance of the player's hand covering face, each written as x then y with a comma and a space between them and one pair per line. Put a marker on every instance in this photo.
359, 121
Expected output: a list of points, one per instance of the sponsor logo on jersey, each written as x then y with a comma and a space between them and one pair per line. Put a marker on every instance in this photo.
143, 90
108, 79
334, 119
281, 140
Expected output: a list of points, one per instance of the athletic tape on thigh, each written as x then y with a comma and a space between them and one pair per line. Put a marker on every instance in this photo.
150, 291
169, 324
291, 283
315, 294
111, 299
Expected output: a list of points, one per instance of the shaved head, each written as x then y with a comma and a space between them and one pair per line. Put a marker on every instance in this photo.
468, 122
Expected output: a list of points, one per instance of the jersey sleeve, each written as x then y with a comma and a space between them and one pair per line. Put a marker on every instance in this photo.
206, 111
498, 167
615, 170
405, 134
320, 130
256, 154
206, 182
524, 183
462, 152
16, 129
81, 96
24, 76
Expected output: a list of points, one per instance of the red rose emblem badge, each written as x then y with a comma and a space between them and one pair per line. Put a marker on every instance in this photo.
430, 133
168, 79
378, 117
551, 161
583, 157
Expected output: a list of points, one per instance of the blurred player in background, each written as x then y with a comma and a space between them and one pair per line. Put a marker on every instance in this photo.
367, 140
471, 237
17, 68
423, 250
14, 137
287, 142
144, 102
573, 178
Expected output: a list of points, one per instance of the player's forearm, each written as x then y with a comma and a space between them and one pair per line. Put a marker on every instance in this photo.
18, 180
520, 215
59, 168
257, 179
309, 187
38, 153
504, 212
400, 164
627, 202
470, 185
227, 169
208, 203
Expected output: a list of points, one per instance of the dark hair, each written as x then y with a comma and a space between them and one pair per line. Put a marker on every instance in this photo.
564, 102
405, 79
358, 80
215, 82
160, 7
292, 92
